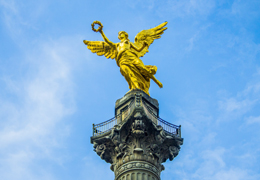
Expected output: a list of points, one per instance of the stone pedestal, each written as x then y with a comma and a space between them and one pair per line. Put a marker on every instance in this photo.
136, 142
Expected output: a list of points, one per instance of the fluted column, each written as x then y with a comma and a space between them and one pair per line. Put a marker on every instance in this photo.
137, 170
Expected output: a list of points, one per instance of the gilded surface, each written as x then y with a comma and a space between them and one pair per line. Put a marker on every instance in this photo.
127, 55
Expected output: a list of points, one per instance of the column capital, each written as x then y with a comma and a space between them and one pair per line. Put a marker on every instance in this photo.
139, 141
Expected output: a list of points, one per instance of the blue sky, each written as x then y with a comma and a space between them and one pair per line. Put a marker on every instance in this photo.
53, 88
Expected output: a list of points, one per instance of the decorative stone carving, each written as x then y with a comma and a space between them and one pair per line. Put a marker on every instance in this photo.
100, 150
137, 143
140, 166
138, 128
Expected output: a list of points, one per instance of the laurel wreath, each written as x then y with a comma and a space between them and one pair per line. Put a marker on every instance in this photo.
99, 28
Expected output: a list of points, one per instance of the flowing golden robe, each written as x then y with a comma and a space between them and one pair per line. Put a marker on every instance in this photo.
127, 55
135, 72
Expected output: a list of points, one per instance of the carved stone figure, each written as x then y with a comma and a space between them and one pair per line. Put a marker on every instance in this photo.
127, 55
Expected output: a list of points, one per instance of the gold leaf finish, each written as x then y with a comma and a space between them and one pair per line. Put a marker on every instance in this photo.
127, 55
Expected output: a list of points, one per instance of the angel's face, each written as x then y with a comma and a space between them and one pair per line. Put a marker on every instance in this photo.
121, 36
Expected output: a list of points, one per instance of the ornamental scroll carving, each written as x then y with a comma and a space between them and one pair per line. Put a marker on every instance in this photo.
137, 139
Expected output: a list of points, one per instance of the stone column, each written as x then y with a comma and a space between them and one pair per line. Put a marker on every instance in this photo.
140, 141
137, 170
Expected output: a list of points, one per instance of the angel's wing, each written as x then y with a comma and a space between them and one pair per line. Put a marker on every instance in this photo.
149, 36
101, 48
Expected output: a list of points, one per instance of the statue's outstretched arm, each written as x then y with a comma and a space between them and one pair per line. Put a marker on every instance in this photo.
106, 39
138, 49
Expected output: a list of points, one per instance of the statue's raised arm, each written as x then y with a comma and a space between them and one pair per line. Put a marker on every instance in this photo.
107, 40
107, 48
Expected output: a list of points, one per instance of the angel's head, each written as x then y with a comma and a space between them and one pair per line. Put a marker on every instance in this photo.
122, 35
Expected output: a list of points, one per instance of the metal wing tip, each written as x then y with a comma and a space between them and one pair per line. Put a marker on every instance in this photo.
85, 41
166, 22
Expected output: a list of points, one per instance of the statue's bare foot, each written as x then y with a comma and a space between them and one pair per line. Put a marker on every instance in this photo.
160, 84
157, 82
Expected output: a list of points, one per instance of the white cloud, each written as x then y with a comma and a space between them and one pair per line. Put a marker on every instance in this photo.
232, 104
253, 120
33, 126
9, 5
11, 17
233, 174
20, 17
32, 118
211, 164
196, 36
96, 168
175, 8
39, 99
239, 105
191, 7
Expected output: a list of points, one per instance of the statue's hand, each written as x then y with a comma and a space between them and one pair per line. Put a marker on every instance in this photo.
100, 30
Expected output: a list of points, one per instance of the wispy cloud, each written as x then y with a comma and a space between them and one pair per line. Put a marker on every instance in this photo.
33, 127
192, 7
253, 120
18, 20
242, 103
39, 99
210, 164
39, 92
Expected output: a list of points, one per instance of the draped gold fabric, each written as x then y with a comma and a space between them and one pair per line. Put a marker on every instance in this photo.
135, 72
127, 55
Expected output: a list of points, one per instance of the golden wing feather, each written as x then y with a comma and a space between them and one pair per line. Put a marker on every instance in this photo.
101, 48
149, 36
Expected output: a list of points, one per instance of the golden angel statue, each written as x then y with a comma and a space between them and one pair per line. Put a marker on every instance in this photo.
127, 55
